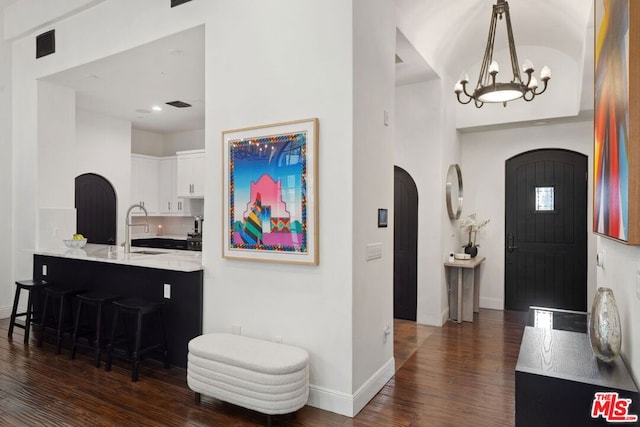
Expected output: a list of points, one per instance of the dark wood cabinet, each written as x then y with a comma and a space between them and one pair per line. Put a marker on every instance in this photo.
182, 312
557, 378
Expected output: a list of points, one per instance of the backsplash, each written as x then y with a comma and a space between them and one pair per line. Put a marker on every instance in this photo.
172, 226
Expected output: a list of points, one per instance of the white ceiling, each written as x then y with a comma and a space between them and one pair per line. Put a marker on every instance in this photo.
454, 33
129, 84
435, 39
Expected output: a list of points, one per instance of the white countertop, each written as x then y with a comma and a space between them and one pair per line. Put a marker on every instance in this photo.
165, 259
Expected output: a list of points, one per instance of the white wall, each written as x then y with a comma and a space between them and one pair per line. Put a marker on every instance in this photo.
103, 146
451, 154
483, 172
307, 75
165, 144
418, 143
148, 143
57, 159
182, 141
305, 70
6, 171
620, 273
373, 75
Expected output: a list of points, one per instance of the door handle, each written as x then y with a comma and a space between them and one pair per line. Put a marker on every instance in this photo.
510, 243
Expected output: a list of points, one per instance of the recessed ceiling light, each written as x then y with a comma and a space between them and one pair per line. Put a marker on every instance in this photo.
175, 52
156, 108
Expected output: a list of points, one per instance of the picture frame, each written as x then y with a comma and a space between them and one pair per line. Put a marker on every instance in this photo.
382, 218
270, 192
616, 152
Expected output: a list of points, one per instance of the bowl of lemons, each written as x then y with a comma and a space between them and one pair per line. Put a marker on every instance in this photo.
77, 242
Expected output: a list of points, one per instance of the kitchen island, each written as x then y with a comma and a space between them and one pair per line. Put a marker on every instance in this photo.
172, 276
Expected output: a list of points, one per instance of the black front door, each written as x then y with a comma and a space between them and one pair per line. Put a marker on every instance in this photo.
546, 230
405, 246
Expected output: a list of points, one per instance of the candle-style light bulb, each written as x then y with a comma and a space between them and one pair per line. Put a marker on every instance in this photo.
545, 73
527, 66
533, 84
494, 67
458, 87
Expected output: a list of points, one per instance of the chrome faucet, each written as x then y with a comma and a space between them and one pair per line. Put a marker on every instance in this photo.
127, 225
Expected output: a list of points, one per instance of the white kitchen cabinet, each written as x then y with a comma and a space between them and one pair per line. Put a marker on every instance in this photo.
190, 173
144, 183
170, 204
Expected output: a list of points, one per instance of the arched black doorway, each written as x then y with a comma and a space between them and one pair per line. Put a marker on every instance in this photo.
546, 230
96, 209
405, 246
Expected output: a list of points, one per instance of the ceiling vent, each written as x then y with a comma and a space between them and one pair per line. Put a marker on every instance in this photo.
178, 104
175, 3
46, 44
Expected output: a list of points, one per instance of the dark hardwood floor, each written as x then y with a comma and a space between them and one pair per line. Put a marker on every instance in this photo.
457, 375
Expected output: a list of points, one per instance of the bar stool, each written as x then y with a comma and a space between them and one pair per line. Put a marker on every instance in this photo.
98, 300
62, 295
32, 287
139, 308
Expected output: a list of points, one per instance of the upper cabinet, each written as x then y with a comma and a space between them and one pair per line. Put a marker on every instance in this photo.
144, 182
190, 173
168, 186
170, 204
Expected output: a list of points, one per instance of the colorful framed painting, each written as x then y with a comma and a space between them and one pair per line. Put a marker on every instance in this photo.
616, 169
270, 193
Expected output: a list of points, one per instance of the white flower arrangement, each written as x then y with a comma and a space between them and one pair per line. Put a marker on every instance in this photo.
471, 225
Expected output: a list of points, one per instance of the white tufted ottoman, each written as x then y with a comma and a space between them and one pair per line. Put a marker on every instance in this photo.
256, 374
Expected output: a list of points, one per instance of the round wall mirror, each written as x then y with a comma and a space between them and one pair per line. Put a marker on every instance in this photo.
454, 191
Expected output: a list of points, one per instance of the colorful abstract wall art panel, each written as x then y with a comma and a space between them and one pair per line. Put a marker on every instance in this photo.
615, 135
270, 202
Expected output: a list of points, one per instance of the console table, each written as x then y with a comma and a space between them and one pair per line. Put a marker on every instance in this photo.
557, 377
468, 292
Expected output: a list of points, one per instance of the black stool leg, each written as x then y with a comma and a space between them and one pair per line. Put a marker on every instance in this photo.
136, 350
165, 353
27, 324
107, 363
12, 322
98, 334
60, 326
43, 321
74, 337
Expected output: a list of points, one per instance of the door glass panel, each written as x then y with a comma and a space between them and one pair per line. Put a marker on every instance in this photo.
544, 199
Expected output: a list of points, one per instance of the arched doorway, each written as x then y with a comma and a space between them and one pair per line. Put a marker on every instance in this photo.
405, 246
96, 209
546, 230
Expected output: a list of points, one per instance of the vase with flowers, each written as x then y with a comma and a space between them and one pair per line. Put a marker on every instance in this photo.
471, 225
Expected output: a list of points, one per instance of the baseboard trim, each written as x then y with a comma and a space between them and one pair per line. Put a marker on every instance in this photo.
492, 303
5, 312
373, 385
445, 316
350, 404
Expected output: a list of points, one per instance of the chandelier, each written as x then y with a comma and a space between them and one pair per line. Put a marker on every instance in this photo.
487, 89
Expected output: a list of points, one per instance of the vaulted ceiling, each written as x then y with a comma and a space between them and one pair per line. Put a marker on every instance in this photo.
450, 36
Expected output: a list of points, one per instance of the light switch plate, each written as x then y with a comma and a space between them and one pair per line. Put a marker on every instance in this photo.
167, 290
374, 251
